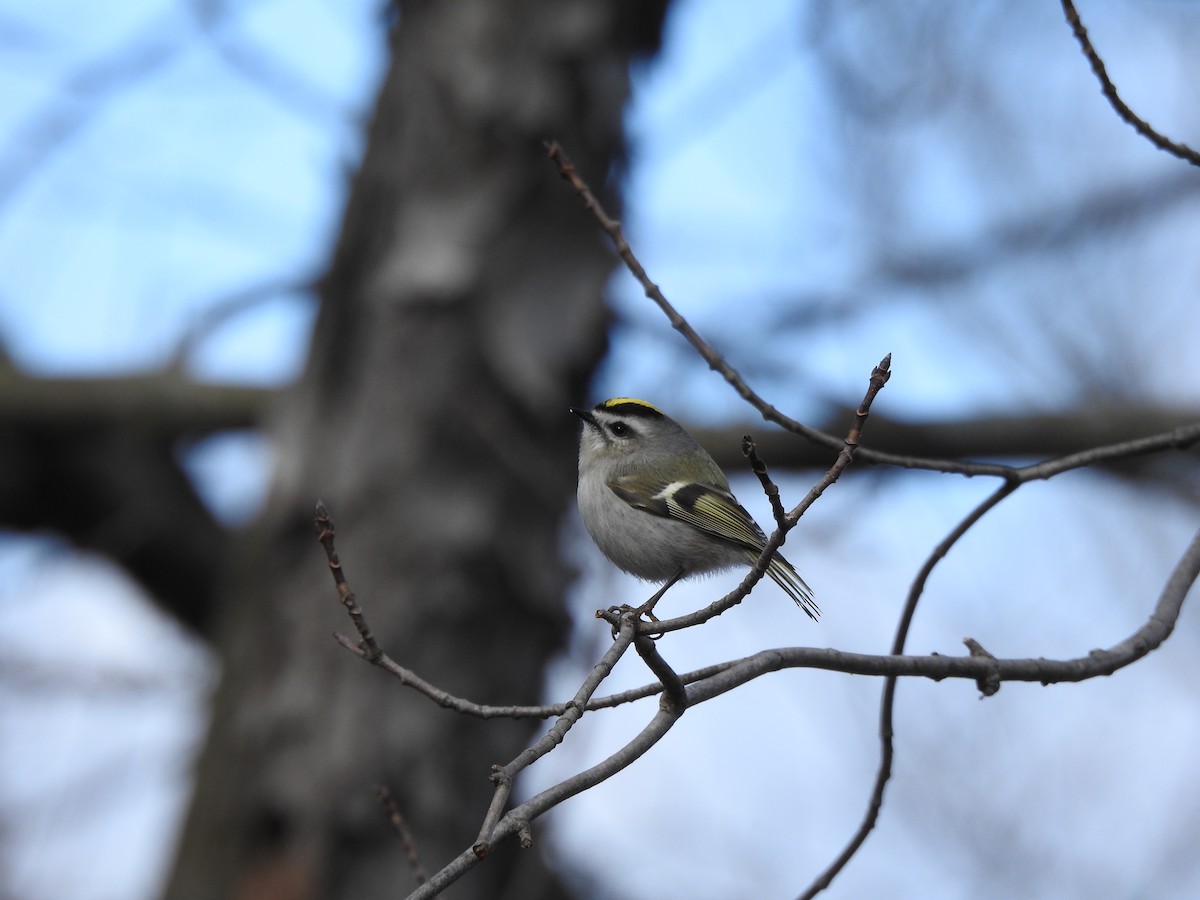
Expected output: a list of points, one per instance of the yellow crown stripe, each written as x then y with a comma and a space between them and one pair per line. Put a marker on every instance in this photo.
620, 401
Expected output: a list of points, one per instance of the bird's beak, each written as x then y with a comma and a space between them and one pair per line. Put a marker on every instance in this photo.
586, 415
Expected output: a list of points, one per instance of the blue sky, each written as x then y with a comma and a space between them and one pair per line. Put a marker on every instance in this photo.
752, 198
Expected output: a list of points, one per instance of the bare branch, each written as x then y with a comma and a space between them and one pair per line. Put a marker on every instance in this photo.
1180, 438
770, 488
1097, 663
503, 777
518, 819
674, 692
717, 363
325, 534
975, 666
1141, 126
388, 802
714, 681
679, 692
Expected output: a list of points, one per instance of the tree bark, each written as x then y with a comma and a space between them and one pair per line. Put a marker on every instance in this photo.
461, 315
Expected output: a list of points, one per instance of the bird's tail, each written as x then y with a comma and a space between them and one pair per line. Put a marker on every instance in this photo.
784, 575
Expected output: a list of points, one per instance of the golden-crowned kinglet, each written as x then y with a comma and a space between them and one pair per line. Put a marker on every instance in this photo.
660, 507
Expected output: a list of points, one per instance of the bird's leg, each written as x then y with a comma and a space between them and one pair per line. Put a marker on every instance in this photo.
647, 608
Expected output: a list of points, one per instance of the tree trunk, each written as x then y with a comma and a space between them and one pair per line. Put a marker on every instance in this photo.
461, 316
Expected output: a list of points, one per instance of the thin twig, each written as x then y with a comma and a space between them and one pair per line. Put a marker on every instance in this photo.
518, 818
850, 449
717, 363
770, 488
1180, 438
1140, 125
503, 776
397, 819
325, 534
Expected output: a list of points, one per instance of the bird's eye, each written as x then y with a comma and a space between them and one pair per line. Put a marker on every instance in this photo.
619, 429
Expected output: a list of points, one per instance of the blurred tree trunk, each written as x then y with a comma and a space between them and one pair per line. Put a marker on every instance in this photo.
461, 314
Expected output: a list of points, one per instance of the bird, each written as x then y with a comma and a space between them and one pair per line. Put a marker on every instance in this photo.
659, 507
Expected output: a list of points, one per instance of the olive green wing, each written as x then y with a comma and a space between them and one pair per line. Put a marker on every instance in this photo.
705, 506
717, 512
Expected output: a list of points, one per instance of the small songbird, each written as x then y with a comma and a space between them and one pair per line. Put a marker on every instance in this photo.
660, 507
